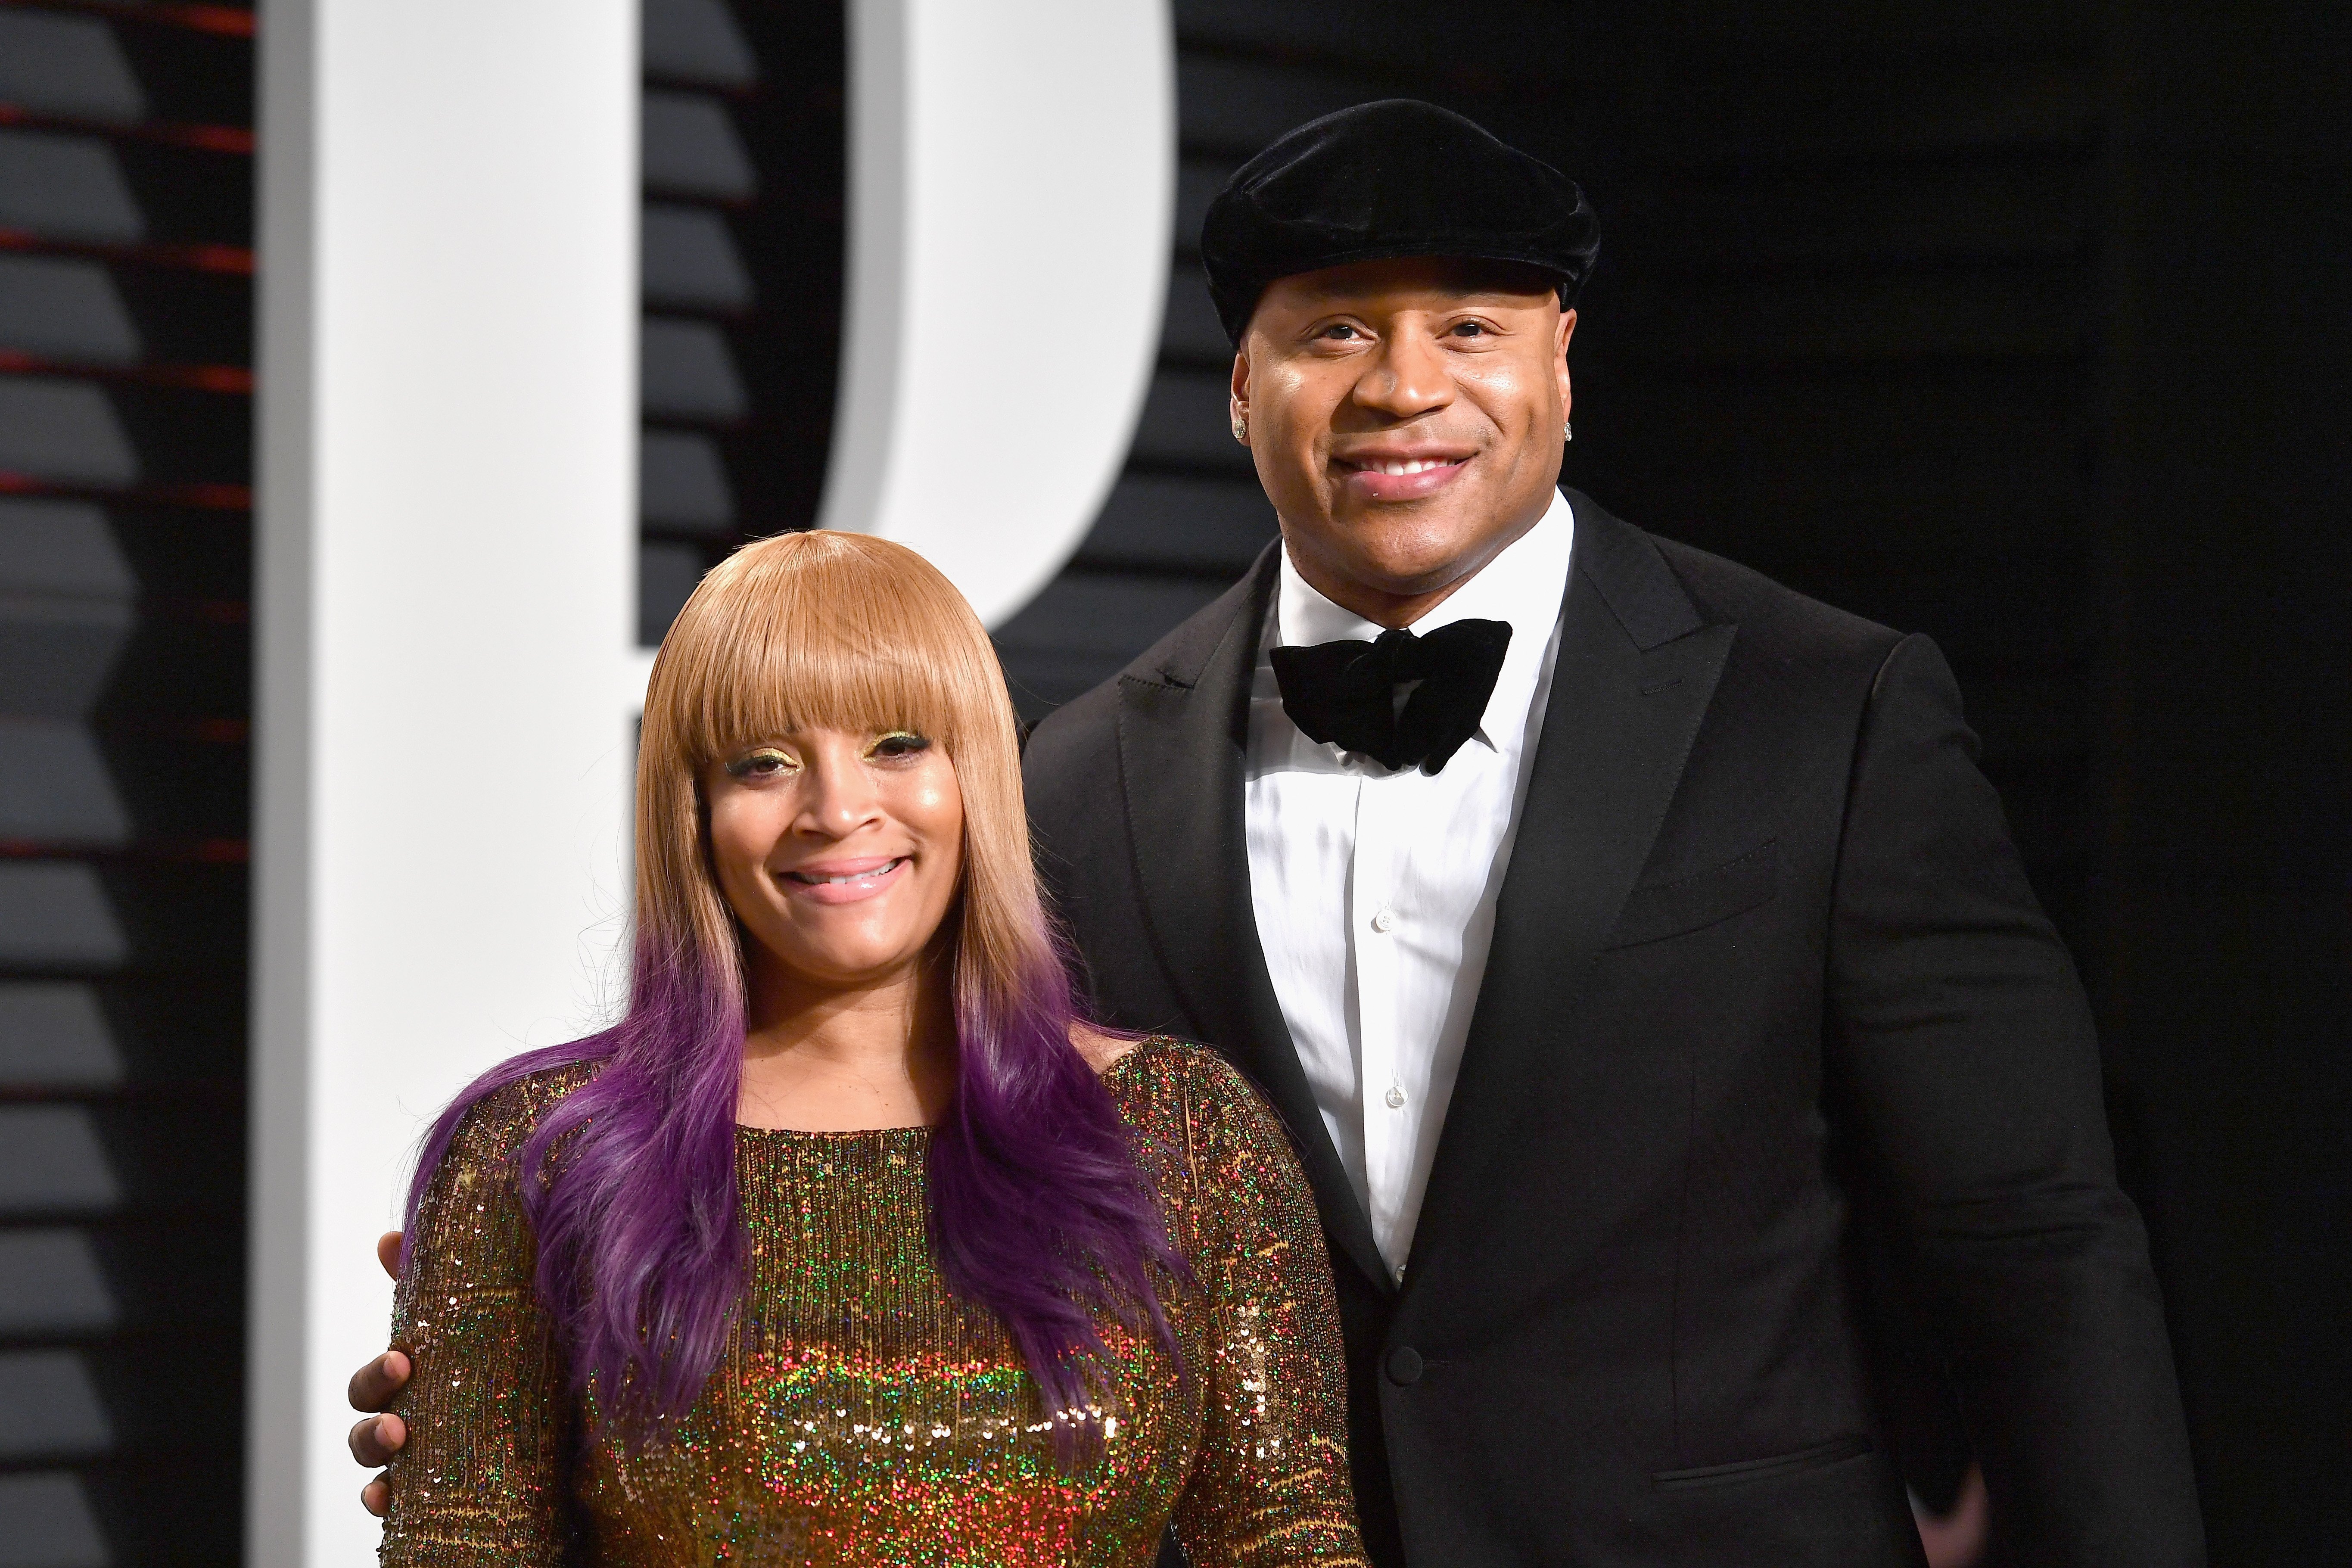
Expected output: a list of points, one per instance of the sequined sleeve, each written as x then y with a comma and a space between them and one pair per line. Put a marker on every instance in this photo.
1270, 1484
482, 1478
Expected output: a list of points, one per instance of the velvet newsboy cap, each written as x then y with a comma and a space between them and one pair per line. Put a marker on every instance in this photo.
1399, 177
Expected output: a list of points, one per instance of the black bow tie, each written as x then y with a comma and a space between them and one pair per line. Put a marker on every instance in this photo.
1346, 692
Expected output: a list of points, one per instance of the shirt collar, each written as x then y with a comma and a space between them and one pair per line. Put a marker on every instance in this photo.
1523, 586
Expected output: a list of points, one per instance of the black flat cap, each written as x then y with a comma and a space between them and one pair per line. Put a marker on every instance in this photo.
1399, 177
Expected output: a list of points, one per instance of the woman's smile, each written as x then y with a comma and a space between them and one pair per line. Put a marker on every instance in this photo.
847, 882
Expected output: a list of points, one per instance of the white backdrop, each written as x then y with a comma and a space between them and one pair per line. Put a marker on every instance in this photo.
448, 541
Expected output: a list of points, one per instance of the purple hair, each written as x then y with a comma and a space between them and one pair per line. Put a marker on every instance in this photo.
1039, 1210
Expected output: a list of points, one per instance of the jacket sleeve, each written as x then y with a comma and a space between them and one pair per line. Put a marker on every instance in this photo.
1962, 1054
484, 1478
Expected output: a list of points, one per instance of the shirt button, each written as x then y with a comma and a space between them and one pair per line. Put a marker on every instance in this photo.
1395, 1098
1385, 920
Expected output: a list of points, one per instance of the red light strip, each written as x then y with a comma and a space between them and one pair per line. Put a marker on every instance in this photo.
235, 379
206, 138
228, 21
227, 259
201, 497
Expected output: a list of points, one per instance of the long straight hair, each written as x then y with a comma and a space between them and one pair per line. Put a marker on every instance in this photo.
1038, 1207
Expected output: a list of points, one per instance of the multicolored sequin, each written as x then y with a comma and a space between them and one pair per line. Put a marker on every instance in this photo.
862, 1414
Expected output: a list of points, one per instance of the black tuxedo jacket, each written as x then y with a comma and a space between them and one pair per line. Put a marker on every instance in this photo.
1765, 962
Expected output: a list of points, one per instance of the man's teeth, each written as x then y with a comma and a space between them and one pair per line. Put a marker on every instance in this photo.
1416, 466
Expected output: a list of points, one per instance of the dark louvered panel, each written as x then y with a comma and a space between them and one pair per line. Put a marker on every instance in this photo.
1847, 333
742, 253
125, 391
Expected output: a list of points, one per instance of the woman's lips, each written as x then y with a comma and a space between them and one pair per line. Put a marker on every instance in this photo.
1372, 484
844, 881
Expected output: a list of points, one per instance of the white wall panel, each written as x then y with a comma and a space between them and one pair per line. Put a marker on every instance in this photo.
445, 616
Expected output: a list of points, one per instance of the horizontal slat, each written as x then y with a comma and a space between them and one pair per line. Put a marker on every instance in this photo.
1190, 330
1187, 423
686, 371
56, 914
49, 1408
682, 483
691, 148
697, 41
61, 549
1405, 36
64, 308
1738, 105
691, 260
1820, 418
55, 788
1989, 311
64, 431
66, 187
50, 1523
51, 1284
1085, 626
1198, 180
68, 66
1233, 106
1759, 513
53, 1161
1173, 523
2017, 207
667, 575
55, 1036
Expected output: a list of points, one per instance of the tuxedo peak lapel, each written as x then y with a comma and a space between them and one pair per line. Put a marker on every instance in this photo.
1637, 668
1182, 731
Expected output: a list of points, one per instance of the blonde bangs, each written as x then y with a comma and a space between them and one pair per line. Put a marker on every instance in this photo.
804, 632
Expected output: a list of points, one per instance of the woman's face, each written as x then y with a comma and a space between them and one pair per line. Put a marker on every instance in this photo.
839, 850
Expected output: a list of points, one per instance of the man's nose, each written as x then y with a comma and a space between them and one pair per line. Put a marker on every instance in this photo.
1409, 378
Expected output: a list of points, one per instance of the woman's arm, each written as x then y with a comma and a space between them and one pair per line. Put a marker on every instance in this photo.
483, 1478
1270, 1484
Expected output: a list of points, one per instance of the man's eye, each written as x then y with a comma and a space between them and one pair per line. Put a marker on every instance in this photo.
1469, 329
1339, 332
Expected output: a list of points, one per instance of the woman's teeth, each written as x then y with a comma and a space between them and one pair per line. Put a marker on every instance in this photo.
875, 875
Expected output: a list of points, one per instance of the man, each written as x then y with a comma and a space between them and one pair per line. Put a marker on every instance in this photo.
1614, 928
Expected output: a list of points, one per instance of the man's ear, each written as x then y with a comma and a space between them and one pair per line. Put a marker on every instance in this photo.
1240, 386
1560, 359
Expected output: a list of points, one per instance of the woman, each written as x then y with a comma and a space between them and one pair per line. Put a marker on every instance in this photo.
848, 1243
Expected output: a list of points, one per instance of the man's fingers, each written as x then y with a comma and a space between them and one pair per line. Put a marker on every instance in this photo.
376, 1439
373, 1386
376, 1498
387, 1252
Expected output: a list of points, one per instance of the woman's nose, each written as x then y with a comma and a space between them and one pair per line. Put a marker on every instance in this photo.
841, 796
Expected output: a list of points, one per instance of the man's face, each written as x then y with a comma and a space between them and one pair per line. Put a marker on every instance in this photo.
1405, 418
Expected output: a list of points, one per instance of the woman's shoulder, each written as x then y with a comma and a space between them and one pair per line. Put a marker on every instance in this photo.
1164, 1085
502, 1119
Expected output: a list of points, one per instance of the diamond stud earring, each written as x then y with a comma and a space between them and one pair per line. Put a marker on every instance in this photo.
1241, 428
1567, 431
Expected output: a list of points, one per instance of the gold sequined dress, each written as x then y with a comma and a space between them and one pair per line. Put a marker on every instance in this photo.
862, 1414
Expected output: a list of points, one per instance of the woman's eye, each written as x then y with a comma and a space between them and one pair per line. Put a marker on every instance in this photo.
765, 763
899, 743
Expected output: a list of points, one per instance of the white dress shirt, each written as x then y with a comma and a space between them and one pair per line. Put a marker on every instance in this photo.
1374, 891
